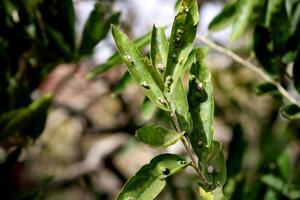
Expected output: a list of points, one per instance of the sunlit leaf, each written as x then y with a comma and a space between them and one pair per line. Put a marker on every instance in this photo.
159, 48
245, 10
189, 62
179, 105
182, 37
149, 181
224, 18
201, 103
140, 68
216, 194
116, 59
157, 136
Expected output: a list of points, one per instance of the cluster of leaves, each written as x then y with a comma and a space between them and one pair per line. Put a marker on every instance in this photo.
276, 47
35, 36
275, 39
161, 77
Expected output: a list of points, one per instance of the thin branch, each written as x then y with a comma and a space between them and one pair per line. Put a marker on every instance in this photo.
250, 66
186, 144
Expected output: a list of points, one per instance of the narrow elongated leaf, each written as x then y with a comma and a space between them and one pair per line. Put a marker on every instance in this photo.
290, 191
201, 103
284, 162
179, 105
157, 136
116, 59
159, 48
149, 181
236, 151
281, 35
57, 40
224, 18
29, 120
266, 88
273, 182
291, 112
244, 10
214, 164
96, 28
261, 45
182, 37
140, 69
272, 7
189, 62
125, 81
296, 72
59, 16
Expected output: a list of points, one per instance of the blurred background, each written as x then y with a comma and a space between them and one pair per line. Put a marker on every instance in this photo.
85, 147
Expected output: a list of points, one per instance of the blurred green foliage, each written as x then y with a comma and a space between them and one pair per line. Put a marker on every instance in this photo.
36, 36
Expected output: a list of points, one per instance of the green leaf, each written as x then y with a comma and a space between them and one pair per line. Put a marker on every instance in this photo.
272, 7
214, 165
290, 191
224, 18
149, 181
124, 82
189, 62
159, 48
216, 194
295, 16
179, 105
281, 35
201, 103
29, 121
291, 112
141, 69
148, 109
284, 163
266, 88
262, 44
245, 11
60, 16
116, 59
296, 72
237, 148
96, 28
182, 37
157, 136
57, 39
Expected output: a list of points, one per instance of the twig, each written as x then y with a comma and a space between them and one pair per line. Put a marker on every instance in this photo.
186, 144
250, 66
